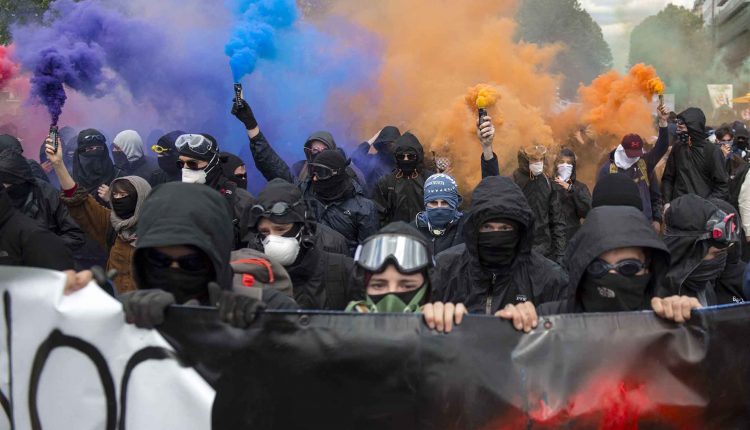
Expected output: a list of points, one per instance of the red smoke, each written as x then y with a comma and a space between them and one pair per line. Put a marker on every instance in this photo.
8, 68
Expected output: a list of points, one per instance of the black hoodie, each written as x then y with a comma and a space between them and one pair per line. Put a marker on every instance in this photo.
168, 170
729, 286
401, 194
607, 228
460, 278
177, 213
575, 202
696, 167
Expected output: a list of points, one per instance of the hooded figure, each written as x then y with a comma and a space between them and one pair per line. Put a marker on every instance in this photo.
549, 222
376, 159
92, 166
729, 286
695, 165
230, 163
616, 189
113, 229
128, 155
441, 223
491, 270
630, 160
698, 258
574, 196
608, 228
167, 157
37, 199
12, 143
320, 279
337, 204
401, 193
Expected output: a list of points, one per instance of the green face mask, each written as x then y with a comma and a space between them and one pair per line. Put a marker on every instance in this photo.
394, 302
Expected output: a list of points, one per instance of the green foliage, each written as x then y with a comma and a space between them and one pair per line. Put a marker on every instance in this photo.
19, 11
586, 54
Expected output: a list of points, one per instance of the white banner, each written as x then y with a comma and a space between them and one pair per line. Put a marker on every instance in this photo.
721, 95
70, 362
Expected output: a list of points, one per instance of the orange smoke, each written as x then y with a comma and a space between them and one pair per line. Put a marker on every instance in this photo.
481, 96
615, 105
431, 54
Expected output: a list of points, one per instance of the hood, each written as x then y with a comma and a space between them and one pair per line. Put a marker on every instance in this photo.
10, 142
740, 130
90, 172
612, 227
695, 120
279, 190
230, 163
130, 142
178, 213
322, 136
14, 169
523, 163
408, 141
498, 197
142, 189
387, 135
168, 140
685, 222
565, 152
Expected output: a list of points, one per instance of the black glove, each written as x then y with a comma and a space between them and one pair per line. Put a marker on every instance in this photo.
145, 308
235, 309
105, 279
244, 114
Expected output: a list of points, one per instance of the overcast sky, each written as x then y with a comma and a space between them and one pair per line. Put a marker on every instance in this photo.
618, 17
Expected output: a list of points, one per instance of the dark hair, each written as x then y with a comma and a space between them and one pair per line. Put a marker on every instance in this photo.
724, 130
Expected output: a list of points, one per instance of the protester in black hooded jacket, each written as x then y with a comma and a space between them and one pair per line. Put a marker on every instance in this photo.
11, 142
234, 169
695, 165
24, 243
92, 166
185, 238
698, 258
495, 267
375, 157
574, 195
401, 193
729, 285
167, 158
37, 199
282, 230
336, 202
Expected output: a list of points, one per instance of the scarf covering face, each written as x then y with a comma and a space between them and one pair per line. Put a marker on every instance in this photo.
125, 228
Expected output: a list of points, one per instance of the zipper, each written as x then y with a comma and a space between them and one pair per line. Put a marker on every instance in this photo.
488, 308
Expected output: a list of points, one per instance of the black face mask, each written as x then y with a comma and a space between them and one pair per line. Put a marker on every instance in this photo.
407, 165
614, 292
124, 207
19, 193
331, 189
682, 137
168, 164
120, 159
240, 181
708, 271
497, 248
185, 285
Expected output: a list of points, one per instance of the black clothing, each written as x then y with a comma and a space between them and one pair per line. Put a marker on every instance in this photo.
230, 163
607, 228
324, 237
460, 278
729, 285
617, 189
24, 243
453, 235
142, 167
575, 202
168, 170
355, 218
92, 169
696, 166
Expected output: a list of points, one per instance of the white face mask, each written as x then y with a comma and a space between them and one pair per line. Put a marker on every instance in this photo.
283, 250
194, 176
564, 171
536, 168
622, 160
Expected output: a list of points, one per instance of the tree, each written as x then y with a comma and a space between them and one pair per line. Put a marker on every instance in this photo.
586, 54
19, 11
676, 44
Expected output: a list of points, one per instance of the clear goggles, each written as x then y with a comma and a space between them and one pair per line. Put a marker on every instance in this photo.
195, 142
407, 253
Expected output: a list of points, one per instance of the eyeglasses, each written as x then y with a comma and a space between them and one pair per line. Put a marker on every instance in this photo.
94, 138
321, 172
278, 209
160, 149
190, 263
195, 142
629, 267
191, 164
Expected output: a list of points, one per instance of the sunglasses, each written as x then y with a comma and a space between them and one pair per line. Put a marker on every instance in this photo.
160, 149
94, 138
278, 209
91, 149
190, 263
406, 156
191, 164
629, 267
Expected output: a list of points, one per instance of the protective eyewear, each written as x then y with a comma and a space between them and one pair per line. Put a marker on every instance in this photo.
630, 267
321, 172
406, 156
722, 228
407, 253
278, 209
93, 138
195, 142
190, 263
92, 149
160, 149
191, 164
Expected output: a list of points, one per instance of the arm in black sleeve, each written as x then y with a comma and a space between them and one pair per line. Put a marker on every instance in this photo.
267, 161
718, 175
490, 167
557, 226
657, 204
581, 198
68, 230
41, 248
667, 180
661, 147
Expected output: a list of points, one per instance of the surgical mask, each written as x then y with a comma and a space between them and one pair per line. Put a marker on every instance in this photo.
283, 250
124, 207
440, 217
194, 176
536, 168
406, 302
497, 248
565, 171
184, 285
614, 292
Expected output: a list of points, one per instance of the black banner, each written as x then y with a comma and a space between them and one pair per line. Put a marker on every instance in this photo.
329, 370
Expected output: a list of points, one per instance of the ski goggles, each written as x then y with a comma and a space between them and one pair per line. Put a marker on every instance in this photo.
321, 172
629, 267
196, 143
93, 138
278, 209
407, 253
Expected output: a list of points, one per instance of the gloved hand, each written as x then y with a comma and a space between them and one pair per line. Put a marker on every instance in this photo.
235, 309
244, 114
145, 308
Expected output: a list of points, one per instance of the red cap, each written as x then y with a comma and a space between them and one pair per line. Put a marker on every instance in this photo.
633, 145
